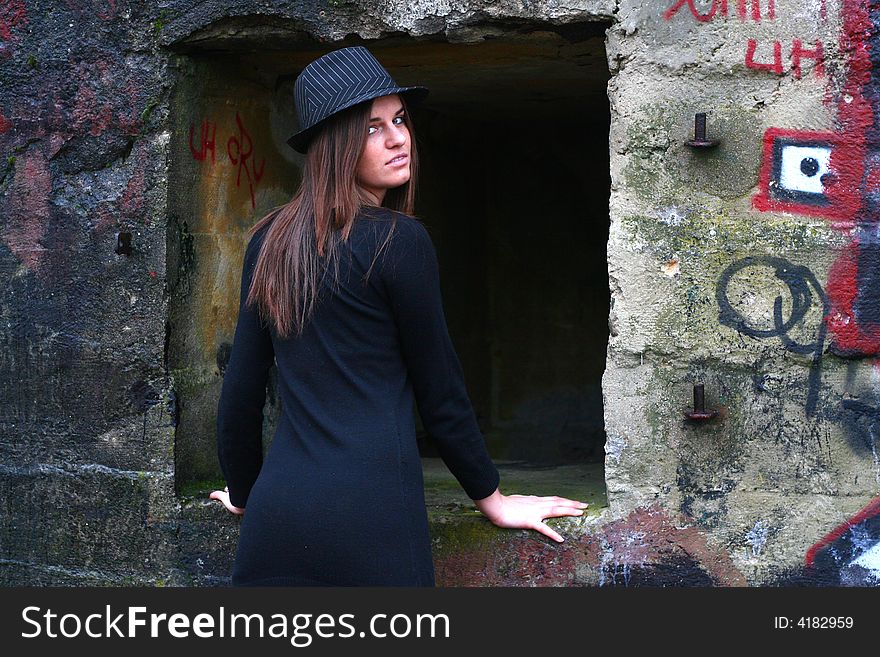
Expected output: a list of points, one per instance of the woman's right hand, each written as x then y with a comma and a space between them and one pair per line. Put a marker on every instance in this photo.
223, 496
528, 511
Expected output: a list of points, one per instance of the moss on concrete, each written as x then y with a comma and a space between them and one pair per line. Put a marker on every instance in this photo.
188, 379
200, 488
457, 527
661, 168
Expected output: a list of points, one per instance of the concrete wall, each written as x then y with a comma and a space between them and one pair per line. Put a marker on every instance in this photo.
752, 279
121, 116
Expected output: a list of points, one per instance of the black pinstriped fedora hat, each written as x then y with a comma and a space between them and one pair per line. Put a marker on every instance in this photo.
339, 80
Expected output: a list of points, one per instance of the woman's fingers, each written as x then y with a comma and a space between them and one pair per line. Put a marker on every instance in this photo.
562, 511
223, 496
547, 531
529, 512
546, 499
553, 503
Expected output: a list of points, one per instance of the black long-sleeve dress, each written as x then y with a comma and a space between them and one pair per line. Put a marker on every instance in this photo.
339, 500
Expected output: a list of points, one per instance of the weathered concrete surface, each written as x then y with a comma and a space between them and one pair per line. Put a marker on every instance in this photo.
107, 359
87, 419
231, 172
723, 273
243, 21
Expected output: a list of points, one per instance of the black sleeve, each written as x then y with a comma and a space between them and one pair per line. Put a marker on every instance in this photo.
412, 280
240, 409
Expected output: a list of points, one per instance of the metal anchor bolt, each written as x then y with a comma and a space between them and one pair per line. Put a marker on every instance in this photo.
699, 140
700, 414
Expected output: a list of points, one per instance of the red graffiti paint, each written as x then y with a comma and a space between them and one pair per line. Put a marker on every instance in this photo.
867, 512
850, 179
13, 15
28, 201
816, 54
651, 535
746, 9
798, 52
240, 150
703, 18
842, 291
855, 116
775, 66
719, 9
207, 143
91, 111
838, 201
5, 125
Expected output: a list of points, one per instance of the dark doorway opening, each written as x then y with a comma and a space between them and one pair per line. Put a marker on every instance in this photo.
514, 191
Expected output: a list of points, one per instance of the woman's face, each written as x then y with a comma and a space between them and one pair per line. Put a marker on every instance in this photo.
384, 162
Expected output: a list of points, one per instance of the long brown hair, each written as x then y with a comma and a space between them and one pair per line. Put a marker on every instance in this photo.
318, 219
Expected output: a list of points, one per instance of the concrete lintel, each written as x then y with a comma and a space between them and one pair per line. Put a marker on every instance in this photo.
299, 25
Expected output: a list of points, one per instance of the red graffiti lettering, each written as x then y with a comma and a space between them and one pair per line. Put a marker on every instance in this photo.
775, 67
703, 18
243, 152
207, 143
719, 8
798, 51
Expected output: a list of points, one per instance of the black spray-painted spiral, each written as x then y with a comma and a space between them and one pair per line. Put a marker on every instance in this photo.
802, 286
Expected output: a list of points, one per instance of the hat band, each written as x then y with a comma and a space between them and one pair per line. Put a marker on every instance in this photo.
321, 110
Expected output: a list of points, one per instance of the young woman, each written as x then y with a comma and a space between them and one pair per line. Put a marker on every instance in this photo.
340, 288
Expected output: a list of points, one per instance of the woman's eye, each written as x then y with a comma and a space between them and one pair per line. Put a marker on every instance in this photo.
397, 120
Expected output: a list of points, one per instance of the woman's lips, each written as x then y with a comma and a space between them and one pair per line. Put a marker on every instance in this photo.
400, 160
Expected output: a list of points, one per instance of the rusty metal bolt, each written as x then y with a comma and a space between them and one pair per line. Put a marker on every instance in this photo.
699, 140
700, 414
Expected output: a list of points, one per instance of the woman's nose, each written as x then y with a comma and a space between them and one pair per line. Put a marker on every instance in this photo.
397, 135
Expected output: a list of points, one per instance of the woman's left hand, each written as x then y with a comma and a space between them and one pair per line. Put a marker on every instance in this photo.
223, 496
528, 511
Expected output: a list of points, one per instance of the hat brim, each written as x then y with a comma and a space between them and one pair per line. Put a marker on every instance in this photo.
300, 141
